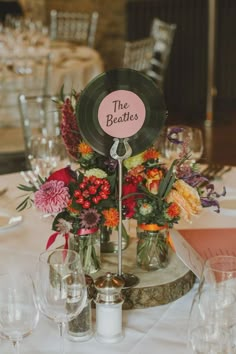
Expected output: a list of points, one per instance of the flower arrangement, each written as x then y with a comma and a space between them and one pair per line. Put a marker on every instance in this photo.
80, 199
156, 194
84, 199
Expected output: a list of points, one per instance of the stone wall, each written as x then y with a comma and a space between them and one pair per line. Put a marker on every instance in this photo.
111, 25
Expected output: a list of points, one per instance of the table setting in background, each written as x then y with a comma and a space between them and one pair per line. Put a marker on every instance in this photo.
34, 65
148, 284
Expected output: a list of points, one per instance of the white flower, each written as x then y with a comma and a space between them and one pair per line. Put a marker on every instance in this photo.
133, 161
97, 172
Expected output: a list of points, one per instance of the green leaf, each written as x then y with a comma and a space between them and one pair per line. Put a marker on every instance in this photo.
26, 188
167, 182
27, 202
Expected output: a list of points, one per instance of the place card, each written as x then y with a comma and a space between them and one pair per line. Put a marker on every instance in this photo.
195, 246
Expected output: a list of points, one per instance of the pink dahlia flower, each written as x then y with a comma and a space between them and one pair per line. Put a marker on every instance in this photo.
52, 197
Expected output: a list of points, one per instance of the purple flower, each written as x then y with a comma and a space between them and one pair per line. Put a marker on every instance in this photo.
111, 164
89, 218
52, 197
209, 200
173, 135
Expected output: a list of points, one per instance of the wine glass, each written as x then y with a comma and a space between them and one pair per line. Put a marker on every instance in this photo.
196, 145
212, 323
19, 312
45, 154
175, 137
61, 287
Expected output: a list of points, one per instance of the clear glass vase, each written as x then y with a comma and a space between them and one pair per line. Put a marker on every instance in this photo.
152, 247
109, 238
88, 247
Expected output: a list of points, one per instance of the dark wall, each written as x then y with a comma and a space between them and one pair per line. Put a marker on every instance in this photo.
186, 82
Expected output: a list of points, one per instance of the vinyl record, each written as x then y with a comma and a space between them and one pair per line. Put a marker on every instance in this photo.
121, 103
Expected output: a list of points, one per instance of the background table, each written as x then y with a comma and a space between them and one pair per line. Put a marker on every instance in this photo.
160, 329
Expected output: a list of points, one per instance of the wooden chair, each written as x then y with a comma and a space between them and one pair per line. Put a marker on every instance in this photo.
74, 26
163, 34
138, 54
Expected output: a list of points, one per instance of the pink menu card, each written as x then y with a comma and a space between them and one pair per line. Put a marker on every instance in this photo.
194, 246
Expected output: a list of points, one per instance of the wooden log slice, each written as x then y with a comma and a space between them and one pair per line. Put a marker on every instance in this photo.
155, 287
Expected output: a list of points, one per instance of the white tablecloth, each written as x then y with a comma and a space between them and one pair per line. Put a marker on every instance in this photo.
160, 329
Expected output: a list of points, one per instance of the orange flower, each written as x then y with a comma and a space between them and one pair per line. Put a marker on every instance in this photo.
111, 217
154, 173
150, 154
136, 171
173, 210
84, 148
72, 210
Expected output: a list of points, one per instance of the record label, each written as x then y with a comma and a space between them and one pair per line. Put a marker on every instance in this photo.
121, 114
121, 104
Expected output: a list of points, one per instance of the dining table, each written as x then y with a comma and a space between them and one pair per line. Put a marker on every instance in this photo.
158, 329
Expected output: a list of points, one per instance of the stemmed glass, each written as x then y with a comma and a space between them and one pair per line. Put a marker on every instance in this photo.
212, 323
19, 313
61, 287
178, 133
45, 154
196, 144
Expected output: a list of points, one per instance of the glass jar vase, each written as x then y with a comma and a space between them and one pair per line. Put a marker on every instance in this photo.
87, 243
109, 238
152, 246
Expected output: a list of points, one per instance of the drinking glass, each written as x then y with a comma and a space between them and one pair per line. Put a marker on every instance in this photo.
212, 323
45, 154
61, 287
196, 145
180, 134
19, 313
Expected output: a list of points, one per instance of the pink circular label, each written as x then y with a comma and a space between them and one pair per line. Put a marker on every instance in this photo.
121, 114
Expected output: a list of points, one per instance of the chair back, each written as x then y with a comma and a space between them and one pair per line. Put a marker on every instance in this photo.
74, 26
163, 34
138, 54
27, 75
40, 116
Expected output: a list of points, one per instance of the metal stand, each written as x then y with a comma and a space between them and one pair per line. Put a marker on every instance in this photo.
129, 279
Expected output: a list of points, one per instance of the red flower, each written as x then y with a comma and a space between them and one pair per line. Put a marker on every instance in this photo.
65, 174
129, 203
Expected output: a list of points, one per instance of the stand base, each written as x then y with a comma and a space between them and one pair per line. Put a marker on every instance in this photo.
129, 279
